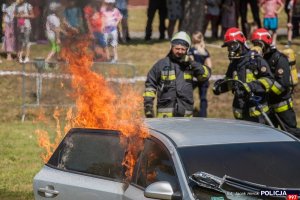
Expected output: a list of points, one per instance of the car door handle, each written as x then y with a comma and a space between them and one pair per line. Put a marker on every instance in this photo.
47, 192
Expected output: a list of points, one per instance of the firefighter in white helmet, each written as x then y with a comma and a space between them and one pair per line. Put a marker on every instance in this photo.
171, 81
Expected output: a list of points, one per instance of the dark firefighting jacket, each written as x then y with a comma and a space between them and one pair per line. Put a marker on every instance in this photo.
280, 97
253, 70
172, 82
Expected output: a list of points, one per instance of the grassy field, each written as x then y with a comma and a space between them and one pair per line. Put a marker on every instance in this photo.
20, 160
20, 154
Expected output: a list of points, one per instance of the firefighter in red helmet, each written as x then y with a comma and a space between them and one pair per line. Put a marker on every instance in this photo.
280, 95
252, 70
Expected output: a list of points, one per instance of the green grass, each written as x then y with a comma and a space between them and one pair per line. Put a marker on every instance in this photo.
136, 18
19, 161
20, 158
20, 155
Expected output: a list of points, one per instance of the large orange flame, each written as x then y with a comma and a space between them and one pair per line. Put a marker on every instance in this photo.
98, 105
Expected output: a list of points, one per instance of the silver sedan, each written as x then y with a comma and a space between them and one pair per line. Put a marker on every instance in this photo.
184, 158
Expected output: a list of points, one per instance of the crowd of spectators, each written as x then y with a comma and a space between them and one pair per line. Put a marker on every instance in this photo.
225, 14
41, 21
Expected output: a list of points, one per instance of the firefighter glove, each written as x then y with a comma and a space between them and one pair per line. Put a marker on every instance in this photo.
240, 93
242, 90
196, 67
217, 88
149, 111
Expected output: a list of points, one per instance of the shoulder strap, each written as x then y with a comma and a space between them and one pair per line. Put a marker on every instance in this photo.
275, 58
171, 66
167, 80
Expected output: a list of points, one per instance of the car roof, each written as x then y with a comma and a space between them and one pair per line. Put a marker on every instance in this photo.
210, 131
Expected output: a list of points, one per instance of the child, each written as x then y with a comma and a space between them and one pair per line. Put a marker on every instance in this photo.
73, 17
271, 9
202, 56
94, 23
111, 19
53, 30
23, 14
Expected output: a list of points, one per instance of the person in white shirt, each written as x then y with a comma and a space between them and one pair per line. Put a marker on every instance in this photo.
111, 18
53, 30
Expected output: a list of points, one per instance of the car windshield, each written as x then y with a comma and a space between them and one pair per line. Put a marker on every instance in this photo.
274, 164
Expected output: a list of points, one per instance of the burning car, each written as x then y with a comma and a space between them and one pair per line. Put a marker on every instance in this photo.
183, 158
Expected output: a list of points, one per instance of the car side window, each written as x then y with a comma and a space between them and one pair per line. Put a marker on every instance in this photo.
91, 153
156, 165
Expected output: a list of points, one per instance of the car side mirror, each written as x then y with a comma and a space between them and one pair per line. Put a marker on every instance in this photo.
161, 190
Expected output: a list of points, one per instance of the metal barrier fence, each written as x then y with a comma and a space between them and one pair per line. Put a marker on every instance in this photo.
40, 85
49, 84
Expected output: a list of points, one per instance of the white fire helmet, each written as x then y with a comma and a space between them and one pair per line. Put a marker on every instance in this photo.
181, 35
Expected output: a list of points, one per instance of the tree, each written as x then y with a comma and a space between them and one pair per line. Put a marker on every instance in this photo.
193, 15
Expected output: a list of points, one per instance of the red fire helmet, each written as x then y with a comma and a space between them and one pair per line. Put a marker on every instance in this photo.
262, 34
234, 35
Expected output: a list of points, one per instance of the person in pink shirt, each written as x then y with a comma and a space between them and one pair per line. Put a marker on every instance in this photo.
111, 19
270, 10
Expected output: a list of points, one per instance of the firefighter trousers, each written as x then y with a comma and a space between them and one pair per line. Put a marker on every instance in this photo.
286, 120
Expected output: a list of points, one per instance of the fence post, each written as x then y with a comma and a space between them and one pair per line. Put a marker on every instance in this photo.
40, 65
39, 81
23, 92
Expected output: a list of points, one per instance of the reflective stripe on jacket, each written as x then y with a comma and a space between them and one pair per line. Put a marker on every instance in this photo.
282, 106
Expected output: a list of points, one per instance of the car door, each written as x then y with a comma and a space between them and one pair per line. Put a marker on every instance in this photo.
155, 164
86, 165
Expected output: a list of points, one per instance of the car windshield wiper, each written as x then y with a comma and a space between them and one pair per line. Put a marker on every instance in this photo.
230, 185
207, 180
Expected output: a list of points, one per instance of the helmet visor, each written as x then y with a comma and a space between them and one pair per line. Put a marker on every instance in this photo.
258, 43
233, 46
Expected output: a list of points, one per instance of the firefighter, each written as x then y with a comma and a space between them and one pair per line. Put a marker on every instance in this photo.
254, 73
280, 95
171, 81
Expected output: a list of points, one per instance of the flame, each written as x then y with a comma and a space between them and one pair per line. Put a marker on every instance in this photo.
43, 136
70, 120
59, 135
44, 141
151, 176
99, 105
